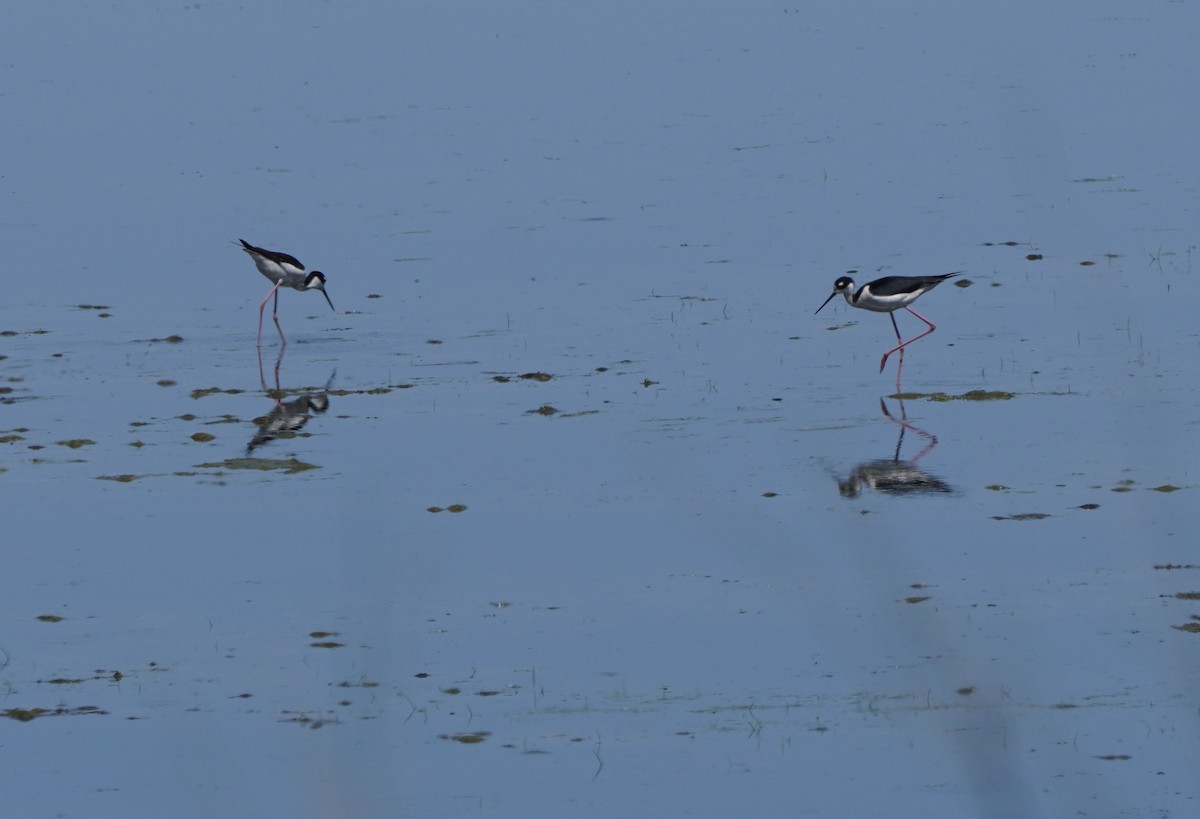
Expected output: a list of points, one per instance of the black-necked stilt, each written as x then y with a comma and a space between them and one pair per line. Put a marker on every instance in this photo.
887, 295
284, 271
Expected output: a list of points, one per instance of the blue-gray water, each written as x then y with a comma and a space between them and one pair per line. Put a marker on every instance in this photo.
680, 593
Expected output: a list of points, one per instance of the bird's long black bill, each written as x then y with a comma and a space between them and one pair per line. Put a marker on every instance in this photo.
326, 295
822, 307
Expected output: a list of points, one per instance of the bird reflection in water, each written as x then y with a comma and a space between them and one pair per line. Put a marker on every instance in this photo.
287, 417
896, 477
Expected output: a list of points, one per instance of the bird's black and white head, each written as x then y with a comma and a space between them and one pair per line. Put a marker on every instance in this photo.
316, 281
844, 285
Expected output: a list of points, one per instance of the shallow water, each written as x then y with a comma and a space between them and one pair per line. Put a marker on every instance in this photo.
589, 514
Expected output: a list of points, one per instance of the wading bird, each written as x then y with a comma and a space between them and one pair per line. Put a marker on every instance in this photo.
887, 295
284, 271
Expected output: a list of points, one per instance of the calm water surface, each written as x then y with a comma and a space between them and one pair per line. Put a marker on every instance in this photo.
573, 507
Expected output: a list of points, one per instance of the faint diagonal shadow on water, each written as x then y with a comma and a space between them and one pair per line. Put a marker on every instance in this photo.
894, 476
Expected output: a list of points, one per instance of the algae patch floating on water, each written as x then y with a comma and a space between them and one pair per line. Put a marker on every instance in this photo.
289, 466
972, 395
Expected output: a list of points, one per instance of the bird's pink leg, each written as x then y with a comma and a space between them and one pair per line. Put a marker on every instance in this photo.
900, 347
275, 316
274, 313
262, 379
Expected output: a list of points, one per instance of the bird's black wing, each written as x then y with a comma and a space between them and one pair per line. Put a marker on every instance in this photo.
273, 255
